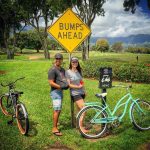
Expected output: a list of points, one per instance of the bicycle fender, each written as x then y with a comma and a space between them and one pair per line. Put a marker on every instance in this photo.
92, 104
6, 94
131, 108
80, 111
88, 106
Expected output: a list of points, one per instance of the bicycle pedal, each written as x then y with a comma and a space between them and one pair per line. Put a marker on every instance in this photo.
10, 122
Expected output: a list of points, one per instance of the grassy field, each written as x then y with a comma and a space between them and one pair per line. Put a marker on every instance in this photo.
39, 106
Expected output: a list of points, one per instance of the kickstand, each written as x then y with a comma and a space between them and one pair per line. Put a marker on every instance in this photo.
10, 121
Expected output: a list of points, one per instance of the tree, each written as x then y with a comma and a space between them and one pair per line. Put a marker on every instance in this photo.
102, 45
46, 9
6, 24
34, 41
10, 18
130, 5
1, 32
117, 47
22, 40
29, 39
87, 11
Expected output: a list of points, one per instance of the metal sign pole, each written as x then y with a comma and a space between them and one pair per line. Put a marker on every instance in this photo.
72, 114
105, 82
103, 103
104, 91
72, 105
69, 57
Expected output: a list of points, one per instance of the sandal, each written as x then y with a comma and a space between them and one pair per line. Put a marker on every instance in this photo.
57, 133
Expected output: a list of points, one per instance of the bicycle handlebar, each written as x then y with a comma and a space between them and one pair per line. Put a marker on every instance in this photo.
12, 83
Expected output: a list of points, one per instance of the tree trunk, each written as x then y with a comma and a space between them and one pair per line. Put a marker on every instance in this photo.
10, 54
89, 46
85, 50
37, 50
46, 52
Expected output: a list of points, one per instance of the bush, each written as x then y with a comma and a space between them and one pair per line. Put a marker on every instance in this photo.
121, 71
144, 50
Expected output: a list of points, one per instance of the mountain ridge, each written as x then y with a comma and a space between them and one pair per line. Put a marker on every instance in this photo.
132, 39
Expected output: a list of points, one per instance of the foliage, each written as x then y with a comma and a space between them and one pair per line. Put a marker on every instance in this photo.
28, 39
102, 45
117, 47
87, 10
46, 9
54, 45
121, 71
34, 40
130, 5
144, 50
10, 21
93, 48
22, 40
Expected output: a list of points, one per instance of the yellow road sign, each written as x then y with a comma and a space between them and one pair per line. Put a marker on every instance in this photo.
69, 30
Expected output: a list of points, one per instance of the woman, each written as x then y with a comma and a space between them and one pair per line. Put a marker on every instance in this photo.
74, 78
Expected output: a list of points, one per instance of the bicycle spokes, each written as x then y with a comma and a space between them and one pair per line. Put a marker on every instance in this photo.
90, 122
6, 105
141, 115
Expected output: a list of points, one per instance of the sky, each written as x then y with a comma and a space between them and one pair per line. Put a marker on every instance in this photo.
118, 23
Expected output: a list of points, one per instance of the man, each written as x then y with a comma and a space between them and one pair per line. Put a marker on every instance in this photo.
56, 77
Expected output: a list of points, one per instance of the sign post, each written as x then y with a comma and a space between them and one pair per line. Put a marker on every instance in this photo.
70, 31
105, 81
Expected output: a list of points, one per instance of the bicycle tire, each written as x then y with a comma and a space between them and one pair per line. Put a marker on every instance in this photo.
141, 120
6, 105
22, 119
93, 130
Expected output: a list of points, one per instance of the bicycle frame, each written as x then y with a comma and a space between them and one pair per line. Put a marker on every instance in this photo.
111, 114
13, 99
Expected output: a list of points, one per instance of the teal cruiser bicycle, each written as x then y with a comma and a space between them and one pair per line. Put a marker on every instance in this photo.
92, 120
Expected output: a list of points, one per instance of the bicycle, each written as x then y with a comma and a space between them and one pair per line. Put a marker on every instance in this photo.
92, 120
11, 106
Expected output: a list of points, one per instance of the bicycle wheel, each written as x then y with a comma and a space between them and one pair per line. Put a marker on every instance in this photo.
91, 122
6, 105
141, 119
22, 119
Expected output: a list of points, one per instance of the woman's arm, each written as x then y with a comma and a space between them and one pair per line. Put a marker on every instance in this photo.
74, 86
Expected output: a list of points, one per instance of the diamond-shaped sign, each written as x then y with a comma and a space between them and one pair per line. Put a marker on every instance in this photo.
69, 30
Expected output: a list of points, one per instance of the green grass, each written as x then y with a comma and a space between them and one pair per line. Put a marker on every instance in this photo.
36, 98
104, 57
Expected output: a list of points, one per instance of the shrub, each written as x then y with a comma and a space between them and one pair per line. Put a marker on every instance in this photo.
121, 71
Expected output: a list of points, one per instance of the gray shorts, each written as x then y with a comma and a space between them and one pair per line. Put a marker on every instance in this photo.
57, 96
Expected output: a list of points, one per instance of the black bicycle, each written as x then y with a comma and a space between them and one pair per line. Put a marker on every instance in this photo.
11, 106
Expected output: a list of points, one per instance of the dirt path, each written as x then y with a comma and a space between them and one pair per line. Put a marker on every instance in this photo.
144, 147
35, 57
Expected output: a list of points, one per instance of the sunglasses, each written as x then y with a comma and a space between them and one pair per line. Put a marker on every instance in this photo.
58, 58
74, 62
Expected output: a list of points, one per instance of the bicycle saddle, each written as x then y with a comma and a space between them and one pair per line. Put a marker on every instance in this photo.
17, 93
101, 95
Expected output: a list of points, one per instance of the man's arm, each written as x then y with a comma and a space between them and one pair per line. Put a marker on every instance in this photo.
53, 84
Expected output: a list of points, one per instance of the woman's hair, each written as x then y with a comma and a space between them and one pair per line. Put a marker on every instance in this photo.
78, 68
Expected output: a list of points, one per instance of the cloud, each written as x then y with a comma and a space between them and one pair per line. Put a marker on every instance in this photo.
117, 22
